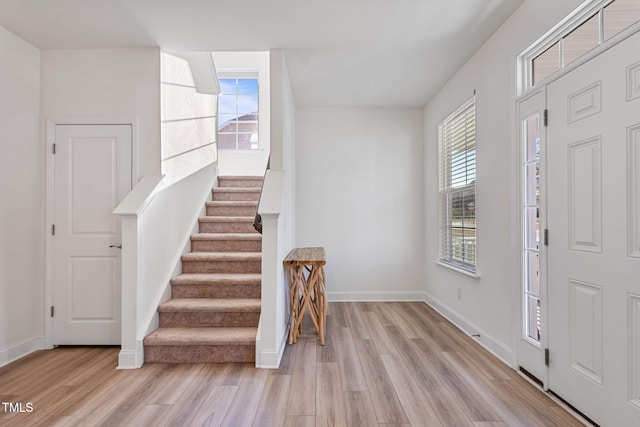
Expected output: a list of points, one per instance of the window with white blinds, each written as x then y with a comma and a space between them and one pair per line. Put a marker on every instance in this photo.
457, 153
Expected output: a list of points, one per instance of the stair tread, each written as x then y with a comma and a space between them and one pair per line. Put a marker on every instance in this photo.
226, 219
248, 177
227, 236
251, 203
211, 304
203, 336
222, 256
207, 278
237, 190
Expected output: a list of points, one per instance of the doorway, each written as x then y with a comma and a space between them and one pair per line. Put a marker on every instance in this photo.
589, 292
92, 173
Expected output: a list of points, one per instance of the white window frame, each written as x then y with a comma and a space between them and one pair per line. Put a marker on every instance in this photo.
576, 18
447, 189
243, 74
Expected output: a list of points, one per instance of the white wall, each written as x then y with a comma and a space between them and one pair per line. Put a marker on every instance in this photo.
487, 304
189, 123
111, 84
22, 200
248, 162
360, 194
277, 208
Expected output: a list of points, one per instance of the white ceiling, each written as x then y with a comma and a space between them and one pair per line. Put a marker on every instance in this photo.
340, 53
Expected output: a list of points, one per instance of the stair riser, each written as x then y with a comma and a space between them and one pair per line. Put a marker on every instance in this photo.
226, 246
226, 227
216, 291
239, 183
223, 267
208, 319
199, 353
235, 196
231, 210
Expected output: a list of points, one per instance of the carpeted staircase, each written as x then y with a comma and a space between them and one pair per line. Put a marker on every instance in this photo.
215, 307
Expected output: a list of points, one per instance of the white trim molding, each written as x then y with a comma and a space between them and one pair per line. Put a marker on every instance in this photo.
379, 296
486, 340
20, 349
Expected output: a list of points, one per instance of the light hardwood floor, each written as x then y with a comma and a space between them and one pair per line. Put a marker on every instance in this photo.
383, 364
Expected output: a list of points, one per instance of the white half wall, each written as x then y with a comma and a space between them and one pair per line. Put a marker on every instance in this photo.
22, 206
108, 83
360, 195
277, 205
248, 162
490, 303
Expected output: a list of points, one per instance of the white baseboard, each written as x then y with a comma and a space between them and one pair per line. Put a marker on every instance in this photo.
20, 349
493, 345
270, 359
132, 359
375, 296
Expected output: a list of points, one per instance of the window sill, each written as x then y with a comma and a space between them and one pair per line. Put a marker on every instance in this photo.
458, 270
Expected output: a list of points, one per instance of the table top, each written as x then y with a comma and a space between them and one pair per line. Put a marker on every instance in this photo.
306, 256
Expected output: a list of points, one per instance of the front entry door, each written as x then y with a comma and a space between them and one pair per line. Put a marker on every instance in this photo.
92, 175
593, 159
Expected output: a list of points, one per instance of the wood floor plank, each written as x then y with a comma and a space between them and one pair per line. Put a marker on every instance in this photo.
287, 361
245, 404
112, 397
215, 406
180, 377
327, 352
139, 397
387, 406
355, 321
302, 395
195, 394
414, 402
330, 401
378, 334
360, 411
424, 369
275, 396
351, 375
149, 415
300, 421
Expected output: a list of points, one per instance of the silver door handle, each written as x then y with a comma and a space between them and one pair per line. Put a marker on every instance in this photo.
116, 246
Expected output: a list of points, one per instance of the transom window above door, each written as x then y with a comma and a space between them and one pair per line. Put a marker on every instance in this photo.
591, 25
238, 114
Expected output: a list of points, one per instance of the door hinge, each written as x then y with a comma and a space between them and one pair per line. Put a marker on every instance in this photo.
546, 357
52, 311
545, 117
546, 237
53, 229
53, 149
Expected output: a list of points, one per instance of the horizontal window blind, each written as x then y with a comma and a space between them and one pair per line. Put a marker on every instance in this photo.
457, 170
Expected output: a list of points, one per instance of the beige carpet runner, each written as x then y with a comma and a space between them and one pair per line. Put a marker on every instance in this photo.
215, 307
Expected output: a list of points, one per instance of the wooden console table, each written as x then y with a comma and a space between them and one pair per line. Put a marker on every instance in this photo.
305, 271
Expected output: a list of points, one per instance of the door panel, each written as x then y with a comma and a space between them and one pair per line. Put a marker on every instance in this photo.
592, 212
92, 175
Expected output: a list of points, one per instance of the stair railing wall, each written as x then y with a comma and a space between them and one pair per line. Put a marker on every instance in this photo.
157, 223
272, 330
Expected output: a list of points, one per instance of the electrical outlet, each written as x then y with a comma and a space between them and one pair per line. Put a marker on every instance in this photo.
459, 293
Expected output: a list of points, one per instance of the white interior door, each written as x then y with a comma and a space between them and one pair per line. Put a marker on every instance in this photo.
593, 211
92, 175
532, 342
